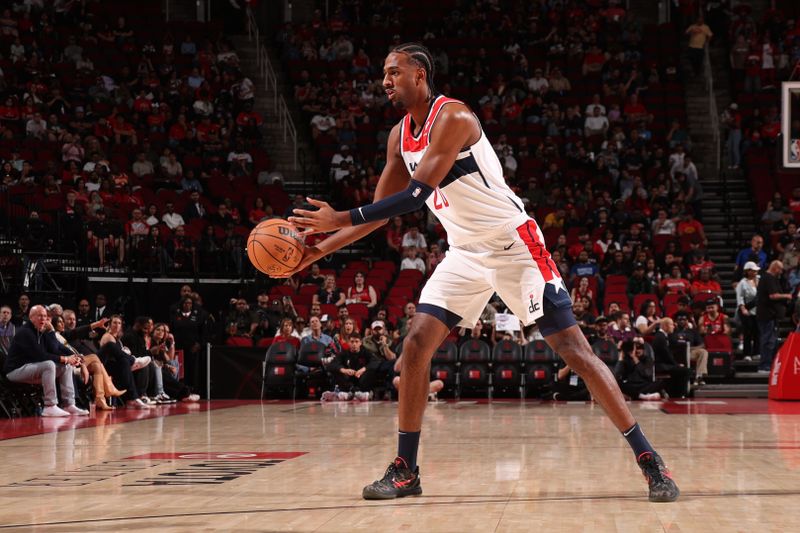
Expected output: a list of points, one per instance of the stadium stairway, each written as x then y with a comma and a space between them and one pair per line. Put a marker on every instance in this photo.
728, 220
297, 180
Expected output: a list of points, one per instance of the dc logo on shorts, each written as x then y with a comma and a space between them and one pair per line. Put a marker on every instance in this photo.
534, 306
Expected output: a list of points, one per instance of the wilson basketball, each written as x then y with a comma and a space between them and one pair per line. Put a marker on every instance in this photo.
275, 246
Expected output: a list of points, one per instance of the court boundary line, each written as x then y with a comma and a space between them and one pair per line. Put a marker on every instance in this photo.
111, 420
481, 501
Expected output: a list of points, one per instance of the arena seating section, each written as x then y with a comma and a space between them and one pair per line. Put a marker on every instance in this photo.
761, 110
654, 51
43, 69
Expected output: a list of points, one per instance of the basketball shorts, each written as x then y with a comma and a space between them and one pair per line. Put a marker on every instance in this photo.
516, 265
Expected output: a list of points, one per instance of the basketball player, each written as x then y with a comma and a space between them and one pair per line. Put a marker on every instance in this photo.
439, 156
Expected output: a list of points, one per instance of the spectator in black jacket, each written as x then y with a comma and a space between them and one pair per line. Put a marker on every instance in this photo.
634, 371
188, 328
771, 300
84, 314
120, 363
77, 334
135, 340
666, 363
353, 369
36, 357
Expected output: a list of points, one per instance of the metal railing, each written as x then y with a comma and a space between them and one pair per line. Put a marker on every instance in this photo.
712, 110
266, 71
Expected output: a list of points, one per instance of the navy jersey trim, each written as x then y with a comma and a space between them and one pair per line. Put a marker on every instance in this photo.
462, 167
411, 121
515, 204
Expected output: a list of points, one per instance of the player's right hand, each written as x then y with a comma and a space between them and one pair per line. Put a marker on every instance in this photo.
311, 254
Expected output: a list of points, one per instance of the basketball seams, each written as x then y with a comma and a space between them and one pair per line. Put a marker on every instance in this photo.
268, 237
278, 261
254, 257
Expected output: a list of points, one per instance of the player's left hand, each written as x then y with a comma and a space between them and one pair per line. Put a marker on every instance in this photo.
323, 220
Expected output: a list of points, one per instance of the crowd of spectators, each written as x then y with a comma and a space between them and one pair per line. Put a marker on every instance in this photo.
94, 358
129, 141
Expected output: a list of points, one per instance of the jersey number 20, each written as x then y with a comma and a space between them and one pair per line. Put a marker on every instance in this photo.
437, 203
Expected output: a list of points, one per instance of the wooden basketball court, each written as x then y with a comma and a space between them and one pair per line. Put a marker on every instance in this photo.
500, 466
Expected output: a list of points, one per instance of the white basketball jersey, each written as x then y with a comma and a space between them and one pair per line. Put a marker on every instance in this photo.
473, 202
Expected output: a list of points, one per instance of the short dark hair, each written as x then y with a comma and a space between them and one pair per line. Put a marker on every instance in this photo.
420, 56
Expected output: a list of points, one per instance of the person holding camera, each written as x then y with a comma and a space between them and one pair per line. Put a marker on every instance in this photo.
634, 371
746, 292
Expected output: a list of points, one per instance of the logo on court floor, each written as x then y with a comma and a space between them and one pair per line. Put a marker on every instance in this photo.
216, 468
204, 468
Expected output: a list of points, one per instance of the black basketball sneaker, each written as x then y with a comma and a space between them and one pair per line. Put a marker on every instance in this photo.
662, 487
397, 482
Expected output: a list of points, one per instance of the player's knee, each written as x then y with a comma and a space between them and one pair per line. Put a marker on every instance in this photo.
48, 366
577, 355
414, 349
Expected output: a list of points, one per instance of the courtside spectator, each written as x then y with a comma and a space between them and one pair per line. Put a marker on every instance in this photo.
697, 352
353, 369
746, 301
316, 334
36, 357
770, 307
7, 329
286, 333
634, 371
665, 362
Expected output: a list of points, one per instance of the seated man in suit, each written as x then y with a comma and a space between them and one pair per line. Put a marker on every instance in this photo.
679, 374
36, 357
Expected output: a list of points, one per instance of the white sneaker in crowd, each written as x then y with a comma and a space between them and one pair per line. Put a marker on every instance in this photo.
138, 404
433, 398
328, 396
653, 396
54, 410
362, 396
345, 396
75, 410
164, 398
192, 398
140, 362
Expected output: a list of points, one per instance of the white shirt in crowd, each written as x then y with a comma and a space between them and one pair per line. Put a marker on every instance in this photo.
173, 220
593, 123
418, 242
409, 264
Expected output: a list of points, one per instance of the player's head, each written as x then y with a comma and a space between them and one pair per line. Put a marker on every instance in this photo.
408, 75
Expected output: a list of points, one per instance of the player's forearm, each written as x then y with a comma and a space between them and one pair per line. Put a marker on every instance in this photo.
346, 236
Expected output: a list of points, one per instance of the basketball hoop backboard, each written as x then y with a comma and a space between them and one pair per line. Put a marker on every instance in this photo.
790, 124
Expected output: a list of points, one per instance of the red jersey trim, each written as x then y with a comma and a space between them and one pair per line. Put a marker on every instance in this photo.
412, 144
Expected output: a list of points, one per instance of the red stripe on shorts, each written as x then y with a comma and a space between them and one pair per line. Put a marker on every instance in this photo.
529, 234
